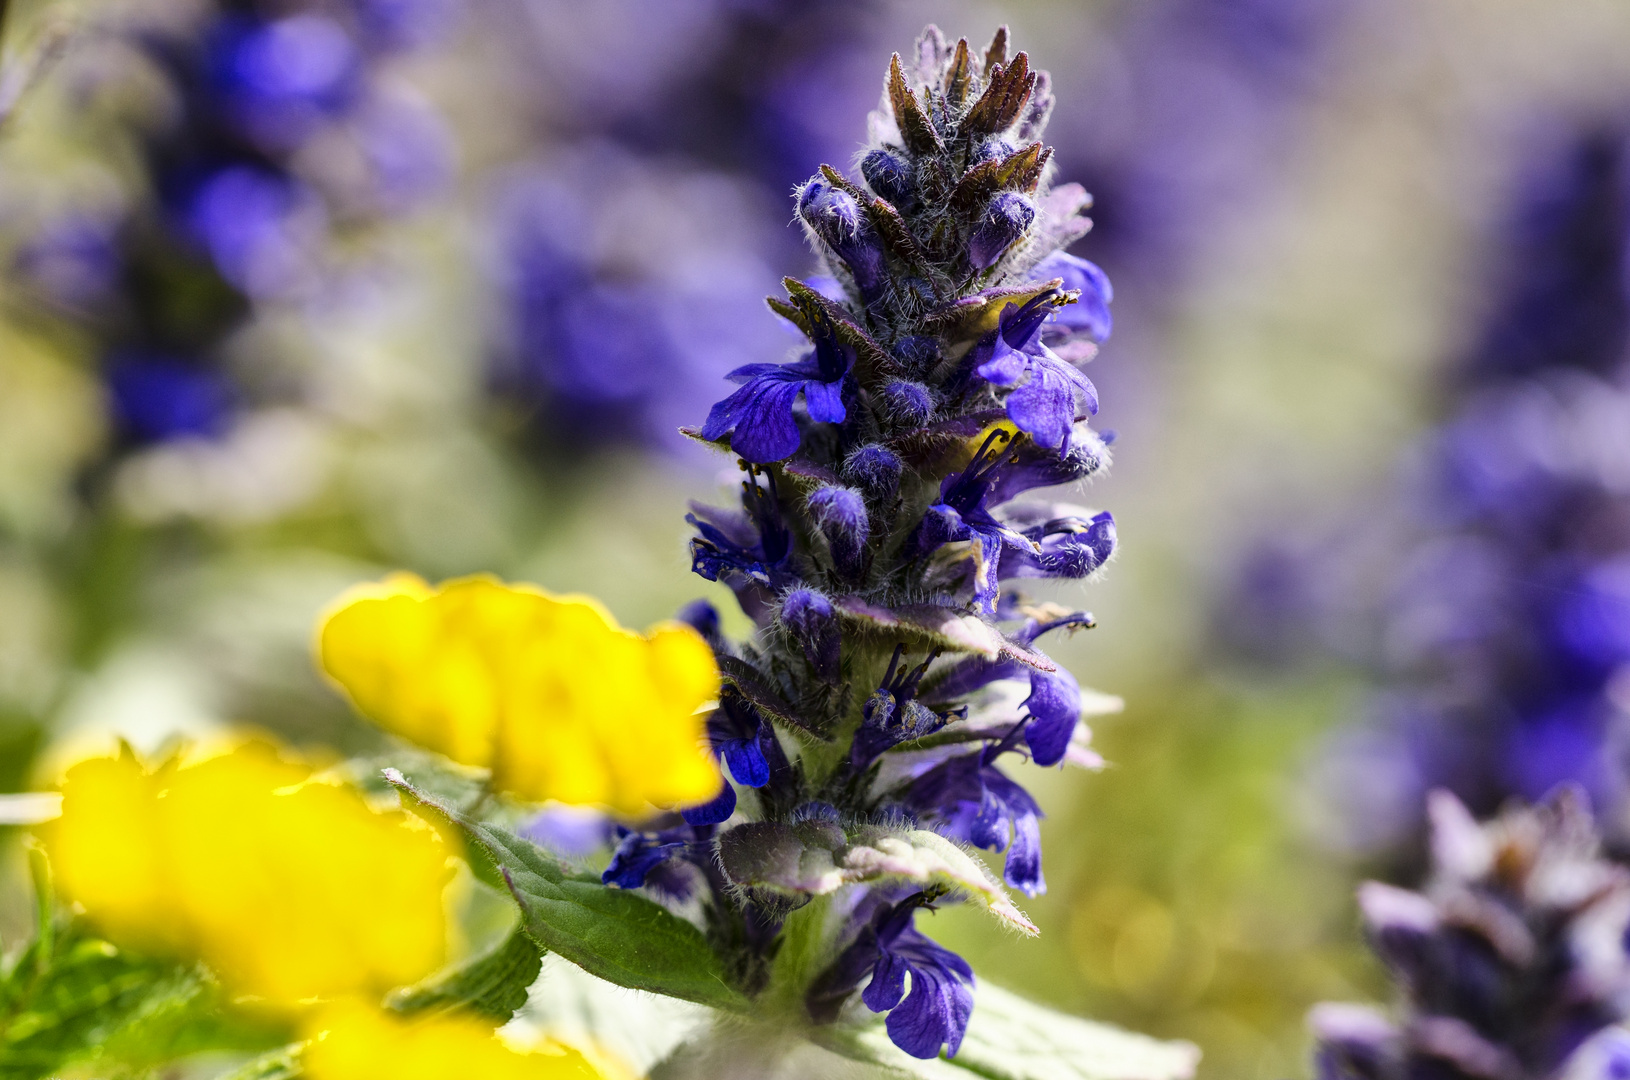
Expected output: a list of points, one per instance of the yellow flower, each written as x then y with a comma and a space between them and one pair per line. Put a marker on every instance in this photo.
361, 1043
546, 691
289, 888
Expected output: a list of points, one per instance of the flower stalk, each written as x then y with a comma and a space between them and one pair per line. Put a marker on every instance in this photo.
865, 728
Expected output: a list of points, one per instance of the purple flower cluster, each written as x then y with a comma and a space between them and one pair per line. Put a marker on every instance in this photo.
625, 283
1193, 105
623, 256
1505, 637
877, 547
281, 130
1508, 965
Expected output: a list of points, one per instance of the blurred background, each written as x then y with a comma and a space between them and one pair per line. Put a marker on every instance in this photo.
293, 292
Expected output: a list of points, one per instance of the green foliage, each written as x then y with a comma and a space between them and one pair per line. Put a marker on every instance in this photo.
1010, 1038
282, 1063
78, 998
617, 935
492, 985
70, 997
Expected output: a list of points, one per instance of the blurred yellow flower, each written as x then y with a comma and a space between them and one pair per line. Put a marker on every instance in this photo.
356, 1042
288, 887
546, 691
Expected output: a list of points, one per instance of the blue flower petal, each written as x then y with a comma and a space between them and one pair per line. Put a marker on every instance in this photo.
713, 812
636, 856
888, 983
825, 401
1006, 365
1090, 313
1055, 707
746, 762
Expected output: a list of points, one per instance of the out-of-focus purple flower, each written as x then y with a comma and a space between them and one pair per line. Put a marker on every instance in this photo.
570, 831
1507, 965
161, 397
73, 261
1196, 106
258, 227
1562, 300
1505, 630
628, 288
406, 24
407, 147
283, 79
277, 124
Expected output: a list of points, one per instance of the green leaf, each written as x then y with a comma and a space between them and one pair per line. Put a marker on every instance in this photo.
492, 985
70, 997
635, 1028
615, 934
816, 858
87, 999
281, 1064
871, 1046
1009, 1038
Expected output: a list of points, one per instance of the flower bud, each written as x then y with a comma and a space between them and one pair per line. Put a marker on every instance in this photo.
914, 290
891, 176
919, 353
703, 617
838, 221
1079, 548
840, 513
993, 149
1006, 219
876, 470
813, 624
908, 404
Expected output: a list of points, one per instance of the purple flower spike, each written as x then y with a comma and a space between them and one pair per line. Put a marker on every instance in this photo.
877, 543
